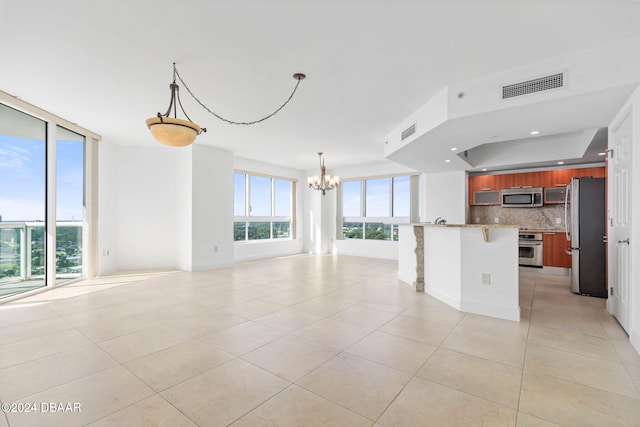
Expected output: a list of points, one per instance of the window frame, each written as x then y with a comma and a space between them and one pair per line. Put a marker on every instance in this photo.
90, 183
247, 218
391, 220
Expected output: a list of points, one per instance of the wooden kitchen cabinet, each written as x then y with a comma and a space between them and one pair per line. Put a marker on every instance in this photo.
484, 182
555, 195
486, 198
557, 178
555, 247
563, 176
487, 188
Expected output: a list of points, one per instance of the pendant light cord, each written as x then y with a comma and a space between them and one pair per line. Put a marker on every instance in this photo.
297, 76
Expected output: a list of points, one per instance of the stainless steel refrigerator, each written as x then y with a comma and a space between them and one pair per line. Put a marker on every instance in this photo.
585, 221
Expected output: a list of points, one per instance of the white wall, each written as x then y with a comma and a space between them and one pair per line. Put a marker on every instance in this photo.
444, 195
499, 258
145, 214
255, 250
184, 220
455, 258
107, 208
313, 230
407, 263
212, 208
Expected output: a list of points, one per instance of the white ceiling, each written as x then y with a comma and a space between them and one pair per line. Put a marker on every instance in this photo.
369, 63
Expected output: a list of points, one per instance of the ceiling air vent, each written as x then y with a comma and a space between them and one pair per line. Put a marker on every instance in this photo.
553, 81
408, 131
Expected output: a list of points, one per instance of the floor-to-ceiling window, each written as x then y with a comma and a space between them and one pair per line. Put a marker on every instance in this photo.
22, 201
69, 203
42, 201
263, 207
373, 208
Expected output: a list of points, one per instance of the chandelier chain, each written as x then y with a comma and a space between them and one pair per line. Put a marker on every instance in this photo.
175, 70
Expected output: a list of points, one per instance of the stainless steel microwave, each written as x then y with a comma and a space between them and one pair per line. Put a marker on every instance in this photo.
522, 197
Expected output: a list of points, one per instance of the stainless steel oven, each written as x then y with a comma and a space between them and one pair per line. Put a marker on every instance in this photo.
530, 249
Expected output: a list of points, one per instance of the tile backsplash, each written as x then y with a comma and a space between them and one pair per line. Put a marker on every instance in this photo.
543, 218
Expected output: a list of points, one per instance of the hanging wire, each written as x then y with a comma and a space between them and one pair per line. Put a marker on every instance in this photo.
297, 76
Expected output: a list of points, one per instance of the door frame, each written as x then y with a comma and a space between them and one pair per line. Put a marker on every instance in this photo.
624, 114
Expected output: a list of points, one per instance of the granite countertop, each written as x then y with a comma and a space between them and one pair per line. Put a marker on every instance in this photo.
483, 227
530, 230
429, 224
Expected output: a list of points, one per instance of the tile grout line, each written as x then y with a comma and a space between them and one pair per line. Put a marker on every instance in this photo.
377, 421
526, 346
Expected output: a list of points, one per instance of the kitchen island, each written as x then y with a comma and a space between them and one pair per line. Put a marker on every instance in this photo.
471, 267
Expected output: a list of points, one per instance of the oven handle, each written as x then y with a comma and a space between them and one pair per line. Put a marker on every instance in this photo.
530, 244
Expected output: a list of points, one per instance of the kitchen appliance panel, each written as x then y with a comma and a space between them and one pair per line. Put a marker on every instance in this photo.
522, 197
530, 250
587, 213
575, 270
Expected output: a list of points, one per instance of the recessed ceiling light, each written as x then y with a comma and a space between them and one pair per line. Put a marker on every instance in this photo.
602, 154
454, 149
447, 161
484, 169
534, 132
561, 163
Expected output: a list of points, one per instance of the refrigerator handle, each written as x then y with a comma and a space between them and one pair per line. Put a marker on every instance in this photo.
566, 213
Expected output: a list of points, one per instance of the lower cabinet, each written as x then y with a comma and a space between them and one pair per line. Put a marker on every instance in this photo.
555, 247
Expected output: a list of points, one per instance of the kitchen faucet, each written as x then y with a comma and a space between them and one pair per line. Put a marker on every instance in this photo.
440, 220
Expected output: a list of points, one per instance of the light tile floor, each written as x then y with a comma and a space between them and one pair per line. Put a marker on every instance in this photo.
311, 341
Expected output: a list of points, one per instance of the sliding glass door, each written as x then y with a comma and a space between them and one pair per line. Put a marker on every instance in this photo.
22, 201
43, 230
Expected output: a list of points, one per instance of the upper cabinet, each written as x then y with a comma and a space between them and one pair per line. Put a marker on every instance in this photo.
485, 182
485, 190
554, 182
555, 195
520, 180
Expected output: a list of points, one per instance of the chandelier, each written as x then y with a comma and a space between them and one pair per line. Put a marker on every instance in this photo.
323, 182
177, 132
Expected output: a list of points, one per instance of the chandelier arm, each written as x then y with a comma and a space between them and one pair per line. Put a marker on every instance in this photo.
181, 107
231, 121
171, 102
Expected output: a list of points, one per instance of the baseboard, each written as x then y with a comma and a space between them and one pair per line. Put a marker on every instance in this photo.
634, 339
441, 296
491, 310
406, 279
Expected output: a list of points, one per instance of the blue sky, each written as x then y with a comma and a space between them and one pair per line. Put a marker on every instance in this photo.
377, 197
260, 196
22, 179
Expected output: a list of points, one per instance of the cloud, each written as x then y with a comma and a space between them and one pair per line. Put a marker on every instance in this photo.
12, 157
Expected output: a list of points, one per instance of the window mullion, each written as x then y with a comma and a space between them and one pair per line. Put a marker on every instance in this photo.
273, 209
363, 197
391, 197
247, 206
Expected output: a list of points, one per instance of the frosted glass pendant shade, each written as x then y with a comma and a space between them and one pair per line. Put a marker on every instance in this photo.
173, 132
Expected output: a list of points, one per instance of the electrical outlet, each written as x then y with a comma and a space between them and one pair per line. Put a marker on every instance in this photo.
558, 220
496, 220
477, 220
486, 279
